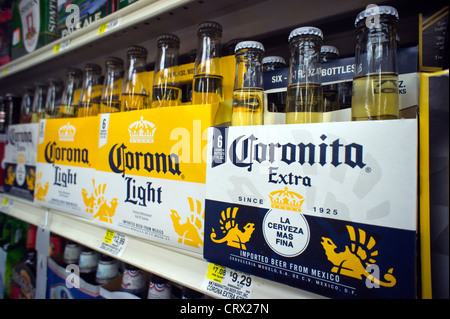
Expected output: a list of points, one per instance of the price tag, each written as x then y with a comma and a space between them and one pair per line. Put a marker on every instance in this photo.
61, 46
114, 243
7, 205
227, 283
108, 26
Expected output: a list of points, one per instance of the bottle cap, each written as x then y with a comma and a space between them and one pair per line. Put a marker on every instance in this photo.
168, 37
249, 45
137, 50
209, 26
74, 71
93, 67
376, 10
273, 59
306, 31
114, 60
329, 49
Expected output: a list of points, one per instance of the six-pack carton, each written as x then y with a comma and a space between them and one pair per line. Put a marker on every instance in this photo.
19, 162
66, 158
320, 207
151, 172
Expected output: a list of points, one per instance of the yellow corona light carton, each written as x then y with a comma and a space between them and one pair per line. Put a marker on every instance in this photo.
66, 165
150, 174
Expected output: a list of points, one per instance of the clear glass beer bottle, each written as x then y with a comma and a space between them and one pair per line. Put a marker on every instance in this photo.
135, 93
166, 89
89, 103
26, 104
330, 91
112, 87
375, 85
207, 82
248, 92
71, 93
304, 92
39, 97
53, 100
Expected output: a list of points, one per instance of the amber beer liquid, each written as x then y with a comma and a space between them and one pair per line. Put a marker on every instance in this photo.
247, 107
304, 103
207, 89
375, 97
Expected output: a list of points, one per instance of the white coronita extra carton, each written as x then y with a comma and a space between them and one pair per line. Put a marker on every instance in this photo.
329, 208
66, 165
151, 171
19, 162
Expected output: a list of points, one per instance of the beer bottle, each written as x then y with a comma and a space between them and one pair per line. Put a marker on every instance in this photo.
375, 85
112, 88
23, 277
71, 253
89, 103
166, 88
134, 281
53, 101
159, 288
71, 95
107, 269
304, 92
330, 91
38, 107
276, 101
207, 82
135, 94
26, 104
248, 93
2, 115
87, 263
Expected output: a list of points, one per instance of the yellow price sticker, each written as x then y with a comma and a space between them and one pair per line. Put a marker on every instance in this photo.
109, 235
216, 272
102, 28
56, 48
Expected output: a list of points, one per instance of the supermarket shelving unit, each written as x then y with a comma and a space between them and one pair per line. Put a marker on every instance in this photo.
141, 23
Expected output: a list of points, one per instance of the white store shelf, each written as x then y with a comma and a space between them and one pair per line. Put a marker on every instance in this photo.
182, 267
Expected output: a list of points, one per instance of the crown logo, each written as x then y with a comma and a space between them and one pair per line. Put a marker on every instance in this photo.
141, 131
287, 200
67, 132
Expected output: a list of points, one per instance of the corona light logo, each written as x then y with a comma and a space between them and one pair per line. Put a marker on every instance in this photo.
67, 132
285, 230
142, 131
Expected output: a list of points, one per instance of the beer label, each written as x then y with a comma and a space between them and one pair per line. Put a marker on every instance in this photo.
66, 159
320, 207
159, 291
30, 18
20, 160
151, 170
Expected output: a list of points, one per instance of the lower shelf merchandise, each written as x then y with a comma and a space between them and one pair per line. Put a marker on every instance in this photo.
74, 271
